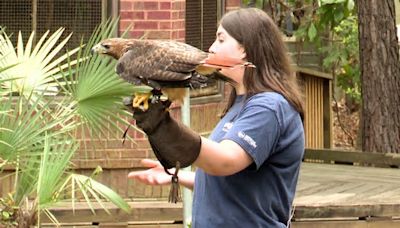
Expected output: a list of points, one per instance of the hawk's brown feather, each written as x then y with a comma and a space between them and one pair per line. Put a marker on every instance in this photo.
159, 60
160, 64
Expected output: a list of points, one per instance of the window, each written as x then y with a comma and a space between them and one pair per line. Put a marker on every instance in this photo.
201, 25
77, 16
201, 22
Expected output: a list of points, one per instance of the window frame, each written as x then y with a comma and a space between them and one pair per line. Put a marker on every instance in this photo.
218, 96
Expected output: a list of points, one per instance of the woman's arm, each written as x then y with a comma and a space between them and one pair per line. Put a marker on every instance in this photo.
222, 159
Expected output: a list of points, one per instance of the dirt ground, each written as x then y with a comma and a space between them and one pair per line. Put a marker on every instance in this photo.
345, 126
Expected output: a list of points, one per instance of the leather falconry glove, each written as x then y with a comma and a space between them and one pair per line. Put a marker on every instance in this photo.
173, 143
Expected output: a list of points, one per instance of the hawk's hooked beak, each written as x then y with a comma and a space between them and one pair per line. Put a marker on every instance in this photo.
99, 49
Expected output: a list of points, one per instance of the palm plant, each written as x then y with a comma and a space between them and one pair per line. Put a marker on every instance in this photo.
45, 99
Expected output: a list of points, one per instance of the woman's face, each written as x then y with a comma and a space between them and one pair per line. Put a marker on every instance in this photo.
226, 45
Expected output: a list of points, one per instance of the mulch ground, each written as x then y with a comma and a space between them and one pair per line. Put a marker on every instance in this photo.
345, 126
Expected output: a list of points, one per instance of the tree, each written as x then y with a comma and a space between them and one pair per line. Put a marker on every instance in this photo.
376, 45
380, 76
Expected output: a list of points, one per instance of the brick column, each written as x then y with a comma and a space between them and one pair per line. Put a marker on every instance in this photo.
154, 19
232, 5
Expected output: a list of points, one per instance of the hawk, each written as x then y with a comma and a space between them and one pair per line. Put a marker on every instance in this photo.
165, 65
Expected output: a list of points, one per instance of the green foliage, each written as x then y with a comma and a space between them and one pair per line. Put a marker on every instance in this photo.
36, 66
7, 211
342, 57
335, 32
254, 3
324, 17
337, 38
331, 25
45, 101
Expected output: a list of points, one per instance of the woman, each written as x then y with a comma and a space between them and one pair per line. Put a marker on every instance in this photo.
248, 168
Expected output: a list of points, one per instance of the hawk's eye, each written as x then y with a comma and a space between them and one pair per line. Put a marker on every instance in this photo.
106, 46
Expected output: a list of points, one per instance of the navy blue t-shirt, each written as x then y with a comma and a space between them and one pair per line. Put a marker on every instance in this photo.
270, 130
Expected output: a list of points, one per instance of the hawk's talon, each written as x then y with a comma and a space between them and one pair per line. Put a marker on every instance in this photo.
139, 99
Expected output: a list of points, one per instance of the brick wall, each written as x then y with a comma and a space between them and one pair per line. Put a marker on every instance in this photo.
162, 19
158, 19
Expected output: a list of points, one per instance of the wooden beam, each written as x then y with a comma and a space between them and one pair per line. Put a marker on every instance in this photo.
116, 163
312, 72
154, 224
160, 211
362, 158
346, 211
327, 114
346, 224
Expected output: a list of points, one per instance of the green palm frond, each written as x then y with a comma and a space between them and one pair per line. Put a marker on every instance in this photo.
97, 90
90, 188
50, 167
37, 65
37, 129
3, 68
42, 172
55, 160
27, 124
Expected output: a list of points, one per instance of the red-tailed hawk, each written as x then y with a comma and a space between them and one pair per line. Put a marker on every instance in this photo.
165, 65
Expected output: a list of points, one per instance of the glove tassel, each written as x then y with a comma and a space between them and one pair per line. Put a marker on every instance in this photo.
174, 192
124, 135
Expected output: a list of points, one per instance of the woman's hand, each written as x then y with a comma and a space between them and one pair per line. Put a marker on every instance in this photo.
155, 175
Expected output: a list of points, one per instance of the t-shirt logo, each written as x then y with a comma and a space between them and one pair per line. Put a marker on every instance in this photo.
247, 138
227, 126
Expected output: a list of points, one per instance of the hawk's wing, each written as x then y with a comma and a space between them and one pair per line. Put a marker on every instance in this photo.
158, 60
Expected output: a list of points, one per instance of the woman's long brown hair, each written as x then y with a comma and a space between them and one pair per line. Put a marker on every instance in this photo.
264, 47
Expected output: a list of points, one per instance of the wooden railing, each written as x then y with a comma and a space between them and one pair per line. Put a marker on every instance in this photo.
384, 160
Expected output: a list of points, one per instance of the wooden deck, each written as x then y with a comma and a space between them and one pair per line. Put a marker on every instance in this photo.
327, 196
347, 193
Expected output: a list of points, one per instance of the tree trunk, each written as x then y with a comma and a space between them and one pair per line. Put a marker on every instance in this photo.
380, 76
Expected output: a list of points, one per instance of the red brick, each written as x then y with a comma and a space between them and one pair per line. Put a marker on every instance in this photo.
174, 35
138, 15
175, 15
138, 6
232, 3
145, 25
112, 153
136, 34
181, 15
165, 25
142, 143
159, 35
139, 135
136, 153
178, 25
126, 6
165, 5
125, 15
114, 144
181, 34
159, 15
178, 5
150, 5
229, 9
